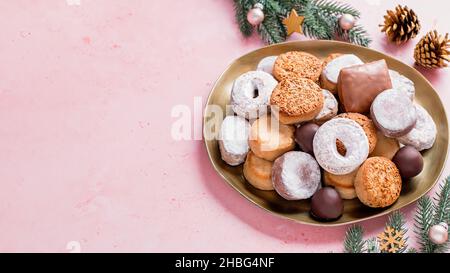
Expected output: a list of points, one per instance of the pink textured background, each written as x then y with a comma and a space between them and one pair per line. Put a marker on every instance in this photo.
86, 154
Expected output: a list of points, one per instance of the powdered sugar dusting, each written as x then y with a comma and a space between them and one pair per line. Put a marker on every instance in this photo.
352, 136
393, 112
233, 139
402, 83
244, 99
266, 64
423, 135
300, 176
330, 106
332, 69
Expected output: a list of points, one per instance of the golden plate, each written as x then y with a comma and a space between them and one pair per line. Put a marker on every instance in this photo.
354, 211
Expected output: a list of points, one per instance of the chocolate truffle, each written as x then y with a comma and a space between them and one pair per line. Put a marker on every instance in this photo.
409, 161
304, 136
326, 204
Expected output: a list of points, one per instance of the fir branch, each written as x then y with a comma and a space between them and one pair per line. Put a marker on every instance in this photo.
313, 26
326, 21
358, 35
397, 222
423, 222
272, 30
298, 5
321, 17
274, 6
372, 246
335, 8
241, 8
353, 242
442, 209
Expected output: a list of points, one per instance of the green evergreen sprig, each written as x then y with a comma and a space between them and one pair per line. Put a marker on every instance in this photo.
429, 212
372, 246
353, 242
321, 20
241, 8
336, 8
442, 210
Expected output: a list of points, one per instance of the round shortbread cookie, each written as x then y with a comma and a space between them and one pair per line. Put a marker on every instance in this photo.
258, 172
269, 139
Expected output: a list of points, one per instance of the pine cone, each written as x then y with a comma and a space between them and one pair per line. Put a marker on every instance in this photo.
432, 50
400, 25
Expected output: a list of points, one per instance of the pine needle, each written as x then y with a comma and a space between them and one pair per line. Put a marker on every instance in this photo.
336, 8
358, 35
442, 199
423, 222
241, 8
430, 213
353, 242
442, 210
272, 30
372, 246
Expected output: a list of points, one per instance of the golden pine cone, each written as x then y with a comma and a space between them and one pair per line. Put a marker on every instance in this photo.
400, 25
432, 50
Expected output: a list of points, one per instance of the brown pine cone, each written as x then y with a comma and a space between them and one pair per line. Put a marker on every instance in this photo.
432, 50
400, 25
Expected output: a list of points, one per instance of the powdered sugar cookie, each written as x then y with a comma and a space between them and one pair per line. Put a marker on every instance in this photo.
296, 175
351, 134
423, 135
402, 83
330, 72
233, 140
251, 94
329, 109
367, 125
393, 113
266, 64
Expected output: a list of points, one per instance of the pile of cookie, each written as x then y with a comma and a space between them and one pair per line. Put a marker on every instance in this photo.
328, 130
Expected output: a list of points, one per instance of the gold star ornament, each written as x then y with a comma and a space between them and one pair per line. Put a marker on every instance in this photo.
293, 22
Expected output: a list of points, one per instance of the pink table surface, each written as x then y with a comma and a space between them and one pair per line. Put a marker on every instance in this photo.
87, 158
